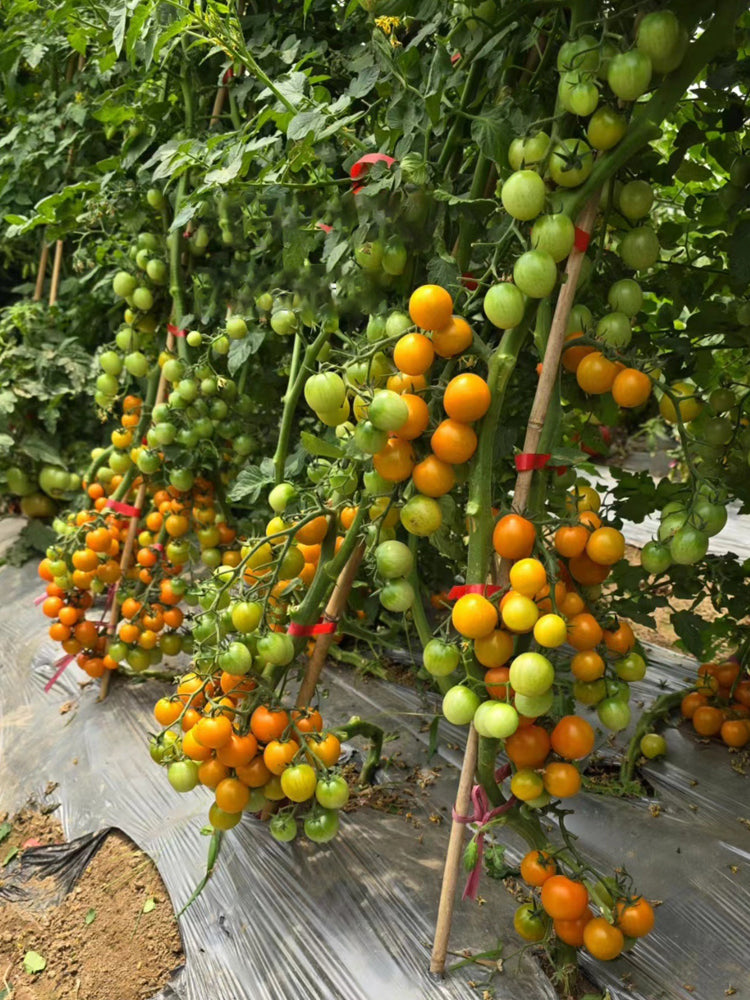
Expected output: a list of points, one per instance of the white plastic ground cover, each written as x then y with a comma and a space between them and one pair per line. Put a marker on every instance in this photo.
353, 920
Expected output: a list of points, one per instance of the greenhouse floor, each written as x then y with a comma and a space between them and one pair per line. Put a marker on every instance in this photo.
353, 920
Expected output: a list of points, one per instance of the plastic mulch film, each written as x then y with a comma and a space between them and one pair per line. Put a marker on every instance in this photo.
353, 920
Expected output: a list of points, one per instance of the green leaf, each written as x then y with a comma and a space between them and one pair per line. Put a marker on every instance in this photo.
471, 855
5, 829
305, 122
90, 917
34, 962
364, 82
493, 133
149, 905
738, 251
12, 853
249, 484
317, 446
241, 350
36, 447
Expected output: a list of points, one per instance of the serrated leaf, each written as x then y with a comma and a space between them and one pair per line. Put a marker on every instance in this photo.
364, 82
5, 829
317, 446
249, 483
34, 962
90, 917
241, 350
305, 122
493, 133
149, 905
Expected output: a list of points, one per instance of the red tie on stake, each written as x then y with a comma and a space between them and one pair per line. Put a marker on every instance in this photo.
363, 164
485, 589
320, 628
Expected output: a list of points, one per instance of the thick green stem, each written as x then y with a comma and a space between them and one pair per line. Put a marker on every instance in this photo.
358, 727
419, 615
291, 398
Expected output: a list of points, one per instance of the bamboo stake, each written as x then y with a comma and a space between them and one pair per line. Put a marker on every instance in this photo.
553, 353
56, 267
334, 610
453, 857
545, 386
41, 273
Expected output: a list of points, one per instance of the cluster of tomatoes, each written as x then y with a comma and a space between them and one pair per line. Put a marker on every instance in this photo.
256, 758
562, 907
720, 704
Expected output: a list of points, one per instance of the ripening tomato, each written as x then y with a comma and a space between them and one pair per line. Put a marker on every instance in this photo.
572, 737
537, 867
563, 898
634, 916
602, 939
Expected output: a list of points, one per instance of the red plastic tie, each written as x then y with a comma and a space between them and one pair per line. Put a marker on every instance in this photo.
324, 226
124, 508
40, 600
530, 461
364, 163
228, 74
61, 666
320, 628
176, 331
582, 240
485, 589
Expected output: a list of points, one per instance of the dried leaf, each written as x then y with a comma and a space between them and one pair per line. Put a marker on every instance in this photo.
34, 962
149, 905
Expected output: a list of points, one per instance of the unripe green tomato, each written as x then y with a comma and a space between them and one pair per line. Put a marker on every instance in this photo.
653, 745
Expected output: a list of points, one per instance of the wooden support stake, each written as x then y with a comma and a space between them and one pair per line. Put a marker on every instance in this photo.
550, 366
553, 353
219, 100
41, 273
334, 610
56, 268
452, 867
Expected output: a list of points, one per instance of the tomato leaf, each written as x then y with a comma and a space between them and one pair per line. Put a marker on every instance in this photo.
90, 917
241, 350
249, 483
149, 905
12, 853
317, 446
34, 962
5, 829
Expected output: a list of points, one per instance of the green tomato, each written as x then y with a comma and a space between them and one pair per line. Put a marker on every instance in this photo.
397, 596
614, 329
183, 775
369, 255
636, 199
136, 364
284, 322
440, 658
531, 674
459, 705
281, 496
283, 827
653, 745
523, 195
124, 284
581, 55
589, 692
605, 128
504, 305
529, 923
298, 782
639, 249
535, 273
554, 234
393, 559
688, 546
157, 271
143, 300
332, 792
631, 667
394, 257
571, 162
655, 558
246, 616
625, 296
388, 411
629, 75
709, 517
396, 325
528, 151
421, 515
496, 719
236, 328
325, 391
18, 482
534, 706
614, 714
160, 747
276, 648
662, 38
107, 385
375, 329
322, 826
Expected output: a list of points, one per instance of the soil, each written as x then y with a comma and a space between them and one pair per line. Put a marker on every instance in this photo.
127, 950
